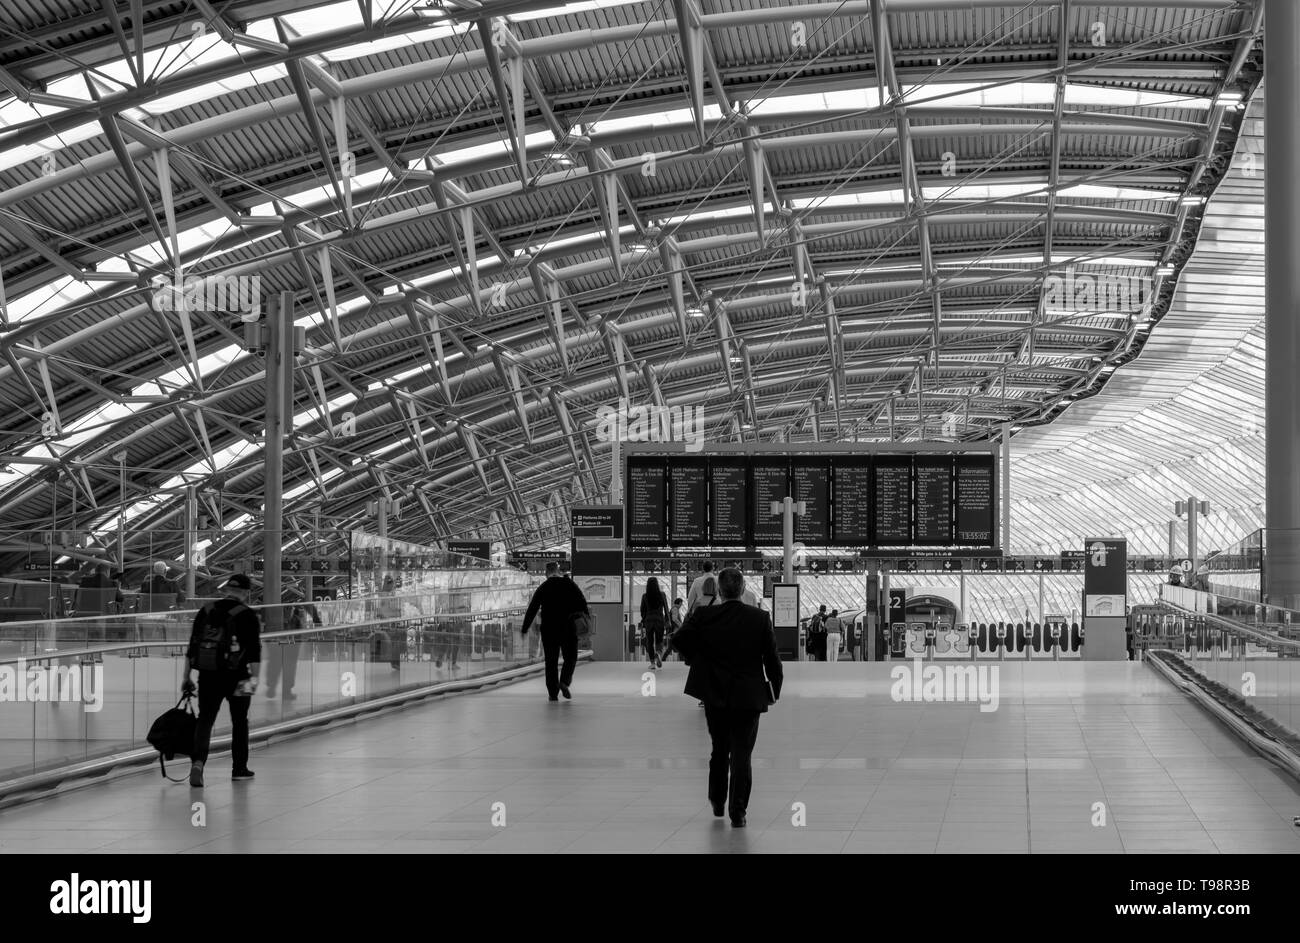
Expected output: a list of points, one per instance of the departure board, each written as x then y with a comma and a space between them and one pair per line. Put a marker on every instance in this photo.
728, 502
688, 517
810, 482
933, 483
647, 506
851, 501
891, 498
974, 500
767, 480
922, 499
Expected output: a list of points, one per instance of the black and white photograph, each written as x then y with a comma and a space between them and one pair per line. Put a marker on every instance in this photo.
650, 427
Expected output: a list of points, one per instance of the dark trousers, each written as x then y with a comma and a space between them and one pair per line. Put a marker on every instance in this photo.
734, 733
554, 643
654, 641
215, 687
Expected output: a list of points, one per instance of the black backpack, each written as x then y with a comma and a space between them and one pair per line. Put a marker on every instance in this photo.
172, 734
214, 638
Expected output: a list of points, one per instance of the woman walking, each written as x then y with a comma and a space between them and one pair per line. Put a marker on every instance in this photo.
654, 617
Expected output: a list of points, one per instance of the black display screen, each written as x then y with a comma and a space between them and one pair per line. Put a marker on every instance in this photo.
810, 482
851, 501
688, 517
933, 483
891, 497
728, 502
975, 500
767, 484
647, 507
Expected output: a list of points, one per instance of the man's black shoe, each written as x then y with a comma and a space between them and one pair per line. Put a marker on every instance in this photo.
738, 823
242, 774
717, 809
564, 689
553, 697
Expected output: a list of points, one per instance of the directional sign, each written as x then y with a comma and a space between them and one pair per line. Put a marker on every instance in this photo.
951, 566
842, 566
990, 566
908, 566
818, 566
293, 565
1016, 566
1043, 566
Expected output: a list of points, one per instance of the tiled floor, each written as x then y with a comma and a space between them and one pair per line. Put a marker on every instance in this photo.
615, 770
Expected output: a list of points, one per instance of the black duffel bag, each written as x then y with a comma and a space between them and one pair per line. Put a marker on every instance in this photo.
172, 734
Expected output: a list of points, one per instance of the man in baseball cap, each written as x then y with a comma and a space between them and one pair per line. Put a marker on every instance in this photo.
226, 648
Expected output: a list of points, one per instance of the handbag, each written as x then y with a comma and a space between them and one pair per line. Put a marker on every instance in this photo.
172, 734
581, 623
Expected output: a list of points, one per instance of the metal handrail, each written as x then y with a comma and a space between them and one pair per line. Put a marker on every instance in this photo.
37, 657
1233, 628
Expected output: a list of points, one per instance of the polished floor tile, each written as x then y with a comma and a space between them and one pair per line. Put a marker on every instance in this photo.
839, 768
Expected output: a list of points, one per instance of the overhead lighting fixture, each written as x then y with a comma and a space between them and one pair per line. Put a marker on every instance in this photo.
1192, 201
560, 159
735, 359
1230, 99
1164, 271
694, 311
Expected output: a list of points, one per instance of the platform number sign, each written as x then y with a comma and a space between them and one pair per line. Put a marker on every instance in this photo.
897, 606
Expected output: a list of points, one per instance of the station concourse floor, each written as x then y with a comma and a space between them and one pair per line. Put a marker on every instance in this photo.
614, 770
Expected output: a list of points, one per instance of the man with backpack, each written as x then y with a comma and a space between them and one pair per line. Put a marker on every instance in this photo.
815, 631
226, 649
704, 591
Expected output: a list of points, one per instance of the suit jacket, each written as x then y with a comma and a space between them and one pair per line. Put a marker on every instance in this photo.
729, 646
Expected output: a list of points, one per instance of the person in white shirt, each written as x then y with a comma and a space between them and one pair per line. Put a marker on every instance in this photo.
833, 635
704, 590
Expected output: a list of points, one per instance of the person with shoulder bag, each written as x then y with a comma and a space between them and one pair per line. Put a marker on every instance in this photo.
226, 649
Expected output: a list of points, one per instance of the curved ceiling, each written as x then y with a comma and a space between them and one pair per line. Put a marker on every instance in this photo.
844, 221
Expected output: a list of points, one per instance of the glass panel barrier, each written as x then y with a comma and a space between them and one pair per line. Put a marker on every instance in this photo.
62, 701
1251, 650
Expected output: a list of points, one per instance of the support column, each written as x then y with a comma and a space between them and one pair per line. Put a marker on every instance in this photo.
121, 513
1006, 487
1192, 544
615, 471
191, 540
963, 598
787, 539
1173, 540
1041, 587
279, 365
1282, 302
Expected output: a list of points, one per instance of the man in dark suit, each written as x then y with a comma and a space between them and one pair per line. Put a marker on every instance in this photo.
558, 599
728, 648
